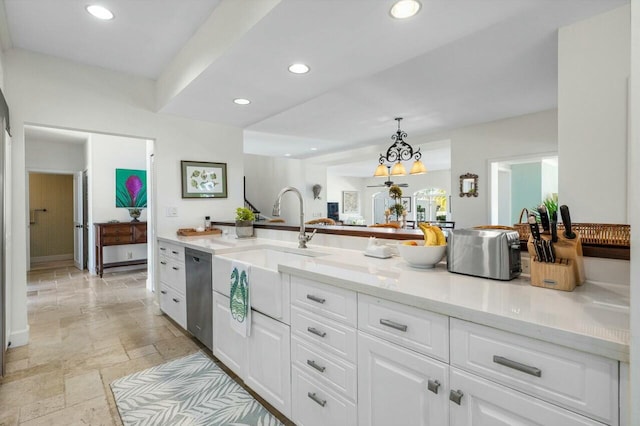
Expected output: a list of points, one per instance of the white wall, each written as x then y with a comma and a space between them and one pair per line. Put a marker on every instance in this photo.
266, 176
593, 71
336, 185
54, 156
109, 153
472, 147
47, 91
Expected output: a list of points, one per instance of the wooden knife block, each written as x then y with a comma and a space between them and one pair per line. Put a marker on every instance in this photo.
559, 276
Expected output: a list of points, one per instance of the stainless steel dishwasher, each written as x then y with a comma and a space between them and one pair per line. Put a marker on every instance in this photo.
199, 296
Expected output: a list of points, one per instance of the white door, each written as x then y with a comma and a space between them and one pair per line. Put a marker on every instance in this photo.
480, 402
78, 226
397, 386
269, 361
228, 346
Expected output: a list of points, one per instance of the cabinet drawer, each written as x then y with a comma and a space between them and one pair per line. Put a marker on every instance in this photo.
172, 251
486, 403
173, 304
329, 335
422, 331
339, 375
314, 404
332, 302
577, 380
172, 273
115, 230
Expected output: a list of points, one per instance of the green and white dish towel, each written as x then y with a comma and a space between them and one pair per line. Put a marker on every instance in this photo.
239, 301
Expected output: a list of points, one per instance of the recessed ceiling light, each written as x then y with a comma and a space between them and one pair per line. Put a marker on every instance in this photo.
403, 9
299, 68
242, 101
314, 149
100, 12
287, 155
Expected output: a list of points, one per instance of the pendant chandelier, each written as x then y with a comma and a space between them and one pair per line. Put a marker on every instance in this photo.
398, 152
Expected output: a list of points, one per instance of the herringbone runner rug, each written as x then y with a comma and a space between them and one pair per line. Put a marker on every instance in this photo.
187, 391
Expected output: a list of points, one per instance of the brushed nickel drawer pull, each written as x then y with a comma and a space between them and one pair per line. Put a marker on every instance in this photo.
163, 248
176, 300
175, 268
456, 396
162, 262
517, 366
175, 252
393, 324
316, 331
320, 402
315, 298
433, 385
163, 292
316, 366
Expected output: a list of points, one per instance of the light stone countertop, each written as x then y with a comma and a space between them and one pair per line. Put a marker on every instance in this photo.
593, 318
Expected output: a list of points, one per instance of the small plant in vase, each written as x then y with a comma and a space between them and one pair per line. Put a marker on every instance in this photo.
397, 208
244, 222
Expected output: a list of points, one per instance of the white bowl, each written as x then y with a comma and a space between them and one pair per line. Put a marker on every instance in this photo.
422, 256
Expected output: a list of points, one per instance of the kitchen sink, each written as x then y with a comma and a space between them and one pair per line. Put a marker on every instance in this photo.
269, 290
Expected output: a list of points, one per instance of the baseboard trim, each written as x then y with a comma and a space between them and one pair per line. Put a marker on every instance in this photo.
19, 337
52, 258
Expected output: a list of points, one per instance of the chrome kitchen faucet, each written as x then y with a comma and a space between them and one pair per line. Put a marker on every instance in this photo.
303, 239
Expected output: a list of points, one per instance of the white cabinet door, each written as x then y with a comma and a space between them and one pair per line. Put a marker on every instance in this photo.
394, 386
484, 403
269, 361
228, 346
173, 304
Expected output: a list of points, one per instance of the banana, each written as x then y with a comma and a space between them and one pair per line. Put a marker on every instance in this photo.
433, 235
442, 240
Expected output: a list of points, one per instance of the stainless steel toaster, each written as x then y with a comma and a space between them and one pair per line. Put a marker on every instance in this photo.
489, 253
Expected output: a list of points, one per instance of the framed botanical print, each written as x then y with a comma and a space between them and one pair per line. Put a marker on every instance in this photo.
203, 179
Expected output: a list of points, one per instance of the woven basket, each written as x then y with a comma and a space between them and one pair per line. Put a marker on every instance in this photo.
523, 228
605, 234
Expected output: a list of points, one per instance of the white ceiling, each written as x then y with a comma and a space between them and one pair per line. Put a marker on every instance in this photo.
455, 63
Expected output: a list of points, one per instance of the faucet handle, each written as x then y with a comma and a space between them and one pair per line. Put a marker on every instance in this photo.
312, 234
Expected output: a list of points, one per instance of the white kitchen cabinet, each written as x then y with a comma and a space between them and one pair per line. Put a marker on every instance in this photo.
397, 386
172, 281
480, 402
315, 405
579, 381
173, 304
268, 370
228, 346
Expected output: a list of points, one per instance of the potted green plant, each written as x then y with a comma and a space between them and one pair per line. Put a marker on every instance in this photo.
397, 208
244, 222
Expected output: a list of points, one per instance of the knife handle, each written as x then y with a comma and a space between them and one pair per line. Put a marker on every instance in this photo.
566, 220
554, 227
544, 217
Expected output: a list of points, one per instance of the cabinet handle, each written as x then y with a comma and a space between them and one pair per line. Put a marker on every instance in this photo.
162, 262
433, 385
316, 331
175, 252
393, 324
315, 298
175, 268
316, 366
517, 366
320, 402
163, 292
163, 248
176, 300
195, 259
456, 396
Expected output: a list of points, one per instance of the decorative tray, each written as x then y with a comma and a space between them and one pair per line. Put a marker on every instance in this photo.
191, 232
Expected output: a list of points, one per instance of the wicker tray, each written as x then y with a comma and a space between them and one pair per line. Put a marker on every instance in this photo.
603, 234
191, 232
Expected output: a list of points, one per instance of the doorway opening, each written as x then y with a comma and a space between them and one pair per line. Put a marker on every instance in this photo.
87, 162
519, 183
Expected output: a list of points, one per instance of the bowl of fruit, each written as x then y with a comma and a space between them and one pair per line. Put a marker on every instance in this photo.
427, 252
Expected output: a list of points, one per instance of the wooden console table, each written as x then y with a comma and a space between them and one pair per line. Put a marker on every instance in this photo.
115, 234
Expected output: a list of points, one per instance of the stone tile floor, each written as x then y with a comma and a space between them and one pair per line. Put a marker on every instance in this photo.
85, 331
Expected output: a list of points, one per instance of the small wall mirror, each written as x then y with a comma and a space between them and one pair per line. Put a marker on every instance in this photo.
469, 185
